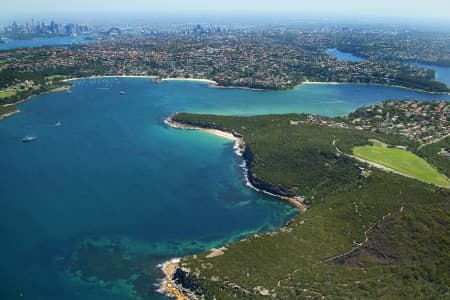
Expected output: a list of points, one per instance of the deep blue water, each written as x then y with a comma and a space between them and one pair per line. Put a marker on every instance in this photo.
344, 56
114, 171
43, 41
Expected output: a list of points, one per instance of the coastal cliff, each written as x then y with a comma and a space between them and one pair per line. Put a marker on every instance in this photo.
259, 183
181, 282
191, 289
245, 151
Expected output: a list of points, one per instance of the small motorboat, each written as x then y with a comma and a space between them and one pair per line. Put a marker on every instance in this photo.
28, 139
58, 124
122, 93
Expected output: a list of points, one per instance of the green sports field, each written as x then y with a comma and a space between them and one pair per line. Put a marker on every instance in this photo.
402, 161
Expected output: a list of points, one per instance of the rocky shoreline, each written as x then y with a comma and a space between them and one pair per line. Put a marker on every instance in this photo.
240, 149
176, 281
5, 115
170, 286
55, 90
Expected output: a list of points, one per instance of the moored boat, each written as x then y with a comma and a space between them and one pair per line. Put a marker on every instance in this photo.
28, 139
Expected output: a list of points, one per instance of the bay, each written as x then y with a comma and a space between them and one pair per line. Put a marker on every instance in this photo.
344, 56
58, 41
442, 74
107, 191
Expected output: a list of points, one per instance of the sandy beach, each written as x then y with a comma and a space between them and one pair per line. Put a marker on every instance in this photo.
224, 134
371, 84
110, 76
238, 87
212, 82
322, 83
202, 80
216, 85
191, 79
142, 76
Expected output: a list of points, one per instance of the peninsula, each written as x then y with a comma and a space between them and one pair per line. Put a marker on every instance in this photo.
368, 233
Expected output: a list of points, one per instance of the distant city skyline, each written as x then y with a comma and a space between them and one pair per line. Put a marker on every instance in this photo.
437, 10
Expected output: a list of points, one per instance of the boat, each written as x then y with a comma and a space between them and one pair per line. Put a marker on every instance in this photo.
58, 124
28, 139
122, 92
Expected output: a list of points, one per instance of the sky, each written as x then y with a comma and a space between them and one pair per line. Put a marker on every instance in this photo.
414, 9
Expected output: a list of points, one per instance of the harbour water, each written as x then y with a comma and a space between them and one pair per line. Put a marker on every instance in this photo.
442, 74
344, 56
59, 41
107, 191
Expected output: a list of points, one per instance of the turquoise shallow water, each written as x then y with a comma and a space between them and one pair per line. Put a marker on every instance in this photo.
114, 174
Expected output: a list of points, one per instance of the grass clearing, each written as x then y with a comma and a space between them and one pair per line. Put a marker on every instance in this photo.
402, 161
55, 77
6, 94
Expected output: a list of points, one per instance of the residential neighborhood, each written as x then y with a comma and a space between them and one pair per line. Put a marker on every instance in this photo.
242, 58
420, 121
